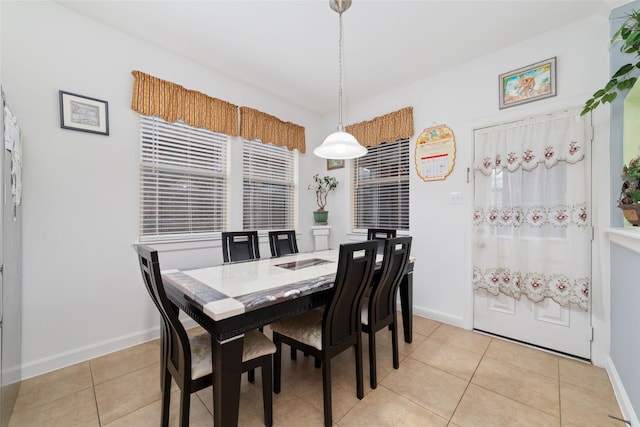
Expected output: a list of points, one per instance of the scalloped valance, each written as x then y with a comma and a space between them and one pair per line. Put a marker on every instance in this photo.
156, 97
388, 128
255, 124
153, 96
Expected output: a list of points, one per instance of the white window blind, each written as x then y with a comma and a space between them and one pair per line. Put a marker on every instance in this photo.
183, 180
381, 187
269, 186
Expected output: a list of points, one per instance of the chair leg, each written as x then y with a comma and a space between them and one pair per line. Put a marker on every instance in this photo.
166, 396
185, 403
373, 378
326, 392
394, 346
267, 398
359, 376
163, 351
276, 364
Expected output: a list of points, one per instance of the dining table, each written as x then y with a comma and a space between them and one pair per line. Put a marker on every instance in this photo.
229, 299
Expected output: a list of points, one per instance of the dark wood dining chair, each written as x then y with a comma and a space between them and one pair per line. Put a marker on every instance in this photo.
379, 308
240, 246
187, 359
283, 242
326, 332
380, 235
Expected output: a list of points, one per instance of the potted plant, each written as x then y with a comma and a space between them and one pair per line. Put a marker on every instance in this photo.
623, 79
322, 187
630, 193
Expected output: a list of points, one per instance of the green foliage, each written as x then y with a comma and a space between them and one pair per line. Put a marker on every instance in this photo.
322, 186
630, 182
623, 79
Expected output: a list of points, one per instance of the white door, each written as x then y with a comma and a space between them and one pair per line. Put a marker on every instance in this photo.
532, 232
547, 324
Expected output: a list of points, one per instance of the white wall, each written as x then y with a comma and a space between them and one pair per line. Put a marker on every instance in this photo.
83, 295
82, 292
465, 98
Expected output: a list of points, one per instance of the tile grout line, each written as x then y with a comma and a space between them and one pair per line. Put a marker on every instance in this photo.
470, 378
559, 394
95, 395
523, 403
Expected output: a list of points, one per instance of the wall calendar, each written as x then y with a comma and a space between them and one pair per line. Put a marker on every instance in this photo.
435, 153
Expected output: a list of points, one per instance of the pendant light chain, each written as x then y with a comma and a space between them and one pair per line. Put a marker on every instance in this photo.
340, 145
340, 125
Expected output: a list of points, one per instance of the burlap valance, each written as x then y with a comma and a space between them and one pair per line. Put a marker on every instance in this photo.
156, 97
153, 96
255, 124
388, 128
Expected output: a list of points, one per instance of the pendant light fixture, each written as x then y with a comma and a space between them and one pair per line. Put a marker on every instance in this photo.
340, 145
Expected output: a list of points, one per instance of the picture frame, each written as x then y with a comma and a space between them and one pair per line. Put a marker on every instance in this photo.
82, 113
334, 164
531, 83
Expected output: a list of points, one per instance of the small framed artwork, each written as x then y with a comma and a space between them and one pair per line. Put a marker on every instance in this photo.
335, 164
530, 83
82, 113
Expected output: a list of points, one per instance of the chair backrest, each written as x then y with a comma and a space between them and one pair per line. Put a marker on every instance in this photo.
283, 242
380, 234
240, 246
382, 300
178, 349
341, 322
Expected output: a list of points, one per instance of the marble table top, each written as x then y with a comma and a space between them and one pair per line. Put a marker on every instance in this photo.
227, 290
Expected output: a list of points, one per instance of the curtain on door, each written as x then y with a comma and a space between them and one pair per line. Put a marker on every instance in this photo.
532, 231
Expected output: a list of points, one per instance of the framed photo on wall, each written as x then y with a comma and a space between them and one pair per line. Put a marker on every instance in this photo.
82, 113
531, 83
334, 164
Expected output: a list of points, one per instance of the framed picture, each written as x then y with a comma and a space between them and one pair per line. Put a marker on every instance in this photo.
334, 164
82, 113
530, 83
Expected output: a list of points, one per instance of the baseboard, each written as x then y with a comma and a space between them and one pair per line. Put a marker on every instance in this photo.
626, 408
62, 360
439, 316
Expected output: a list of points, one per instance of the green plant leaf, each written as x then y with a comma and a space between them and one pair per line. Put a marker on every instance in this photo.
632, 37
623, 70
612, 83
599, 93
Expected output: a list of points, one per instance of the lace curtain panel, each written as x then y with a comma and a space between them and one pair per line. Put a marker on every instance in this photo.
532, 227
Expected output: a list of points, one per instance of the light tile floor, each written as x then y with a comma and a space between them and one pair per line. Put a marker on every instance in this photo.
447, 376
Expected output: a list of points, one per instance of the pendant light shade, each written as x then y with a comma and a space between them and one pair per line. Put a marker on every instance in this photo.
340, 145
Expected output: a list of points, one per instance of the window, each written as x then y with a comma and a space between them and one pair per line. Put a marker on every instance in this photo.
381, 187
269, 186
183, 180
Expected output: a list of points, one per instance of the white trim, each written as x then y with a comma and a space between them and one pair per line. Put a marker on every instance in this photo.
439, 316
621, 395
85, 354
626, 237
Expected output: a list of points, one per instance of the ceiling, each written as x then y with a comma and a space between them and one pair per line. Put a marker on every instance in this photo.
290, 48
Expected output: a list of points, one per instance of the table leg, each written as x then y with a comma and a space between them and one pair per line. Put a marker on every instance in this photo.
406, 303
227, 368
